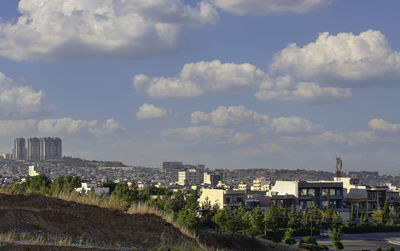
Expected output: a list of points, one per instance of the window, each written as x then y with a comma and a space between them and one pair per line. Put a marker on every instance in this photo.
332, 192
325, 192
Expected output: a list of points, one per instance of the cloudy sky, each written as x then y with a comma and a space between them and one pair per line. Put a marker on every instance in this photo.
228, 83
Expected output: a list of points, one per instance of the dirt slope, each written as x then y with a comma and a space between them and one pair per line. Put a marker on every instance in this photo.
62, 220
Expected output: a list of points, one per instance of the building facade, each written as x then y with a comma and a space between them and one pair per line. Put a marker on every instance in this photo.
311, 193
33, 152
224, 198
19, 151
212, 178
50, 148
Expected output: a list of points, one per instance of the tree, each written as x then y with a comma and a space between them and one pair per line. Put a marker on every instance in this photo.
294, 218
221, 218
352, 213
336, 236
385, 213
364, 217
257, 223
40, 183
288, 239
244, 219
378, 215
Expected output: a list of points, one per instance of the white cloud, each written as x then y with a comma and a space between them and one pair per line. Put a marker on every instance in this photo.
206, 134
196, 79
70, 126
232, 115
74, 29
344, 59
13, 127
109, 127
284, 89
294, 125
150, 111
382, 125
330, 138
19, 101
261, 7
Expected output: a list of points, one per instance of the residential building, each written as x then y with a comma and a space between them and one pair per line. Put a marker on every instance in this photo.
33, 152
19, 151
170, 166
50, 148
224, 198
86, 187
361, 198
191, 176
212, 178
260, 184
35, 170
311, 193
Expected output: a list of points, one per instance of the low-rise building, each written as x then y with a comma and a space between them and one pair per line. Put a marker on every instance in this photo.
311, 193
86, 187
260, 184
212, 178
35, 170
224, 198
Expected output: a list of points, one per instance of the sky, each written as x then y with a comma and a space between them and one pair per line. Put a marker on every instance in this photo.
226, 83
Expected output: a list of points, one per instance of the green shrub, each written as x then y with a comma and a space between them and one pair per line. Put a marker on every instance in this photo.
390, 249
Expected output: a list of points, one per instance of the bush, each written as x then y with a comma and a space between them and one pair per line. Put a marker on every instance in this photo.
289, 240
390, 249
310, 243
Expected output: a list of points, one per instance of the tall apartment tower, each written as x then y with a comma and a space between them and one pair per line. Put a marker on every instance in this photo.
19, 151
50, 148
33, 149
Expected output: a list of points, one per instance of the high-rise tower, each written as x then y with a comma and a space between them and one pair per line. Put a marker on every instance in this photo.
19, 151
33, 149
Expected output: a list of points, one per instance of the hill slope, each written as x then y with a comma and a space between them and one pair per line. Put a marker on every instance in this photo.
48, 223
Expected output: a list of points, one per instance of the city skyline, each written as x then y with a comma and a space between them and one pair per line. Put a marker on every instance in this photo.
231, 84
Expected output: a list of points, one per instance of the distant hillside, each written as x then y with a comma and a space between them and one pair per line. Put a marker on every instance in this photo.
247, 175
36, 222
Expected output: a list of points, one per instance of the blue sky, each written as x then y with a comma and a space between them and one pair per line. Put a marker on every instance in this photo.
228, 83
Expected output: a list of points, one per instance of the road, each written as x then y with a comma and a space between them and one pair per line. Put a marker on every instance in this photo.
368, 241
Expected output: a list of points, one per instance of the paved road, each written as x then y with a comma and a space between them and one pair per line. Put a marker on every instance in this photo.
366, 241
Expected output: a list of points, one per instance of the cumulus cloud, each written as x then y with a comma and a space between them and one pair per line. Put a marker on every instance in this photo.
206, 134
75, 29
293, 125
261, 7
344, 59
333, 138
285, 89
71, 126
19, 101
382, 125
13, 127
150, 111
196, 79
232, 115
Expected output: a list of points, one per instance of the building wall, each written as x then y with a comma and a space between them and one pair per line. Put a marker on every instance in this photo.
285, 188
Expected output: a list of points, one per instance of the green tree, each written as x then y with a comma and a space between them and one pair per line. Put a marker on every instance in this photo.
352, 213
244, 219
207, 212
336, 236
288, 239
378, 215
294, 218
385, 213
257, 223
40, 183
221, 218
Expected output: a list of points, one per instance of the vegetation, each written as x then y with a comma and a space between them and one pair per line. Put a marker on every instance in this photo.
184, 211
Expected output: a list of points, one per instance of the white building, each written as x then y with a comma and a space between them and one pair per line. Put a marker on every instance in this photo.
260, 184
191, 176
224, 198
35, 170
86, 187
212, 178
